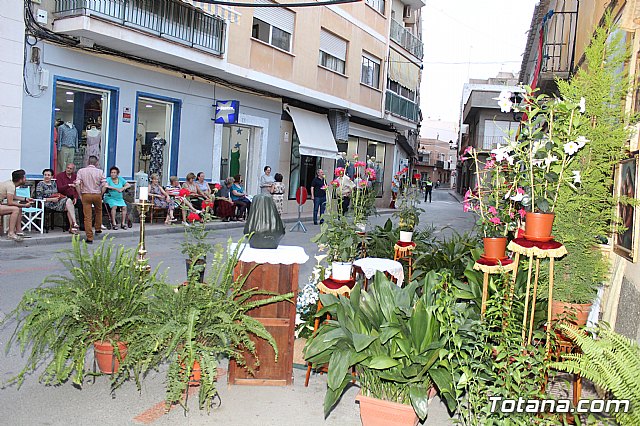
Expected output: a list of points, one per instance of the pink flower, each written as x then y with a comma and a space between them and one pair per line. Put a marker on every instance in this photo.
495, 220
339, 171
467, 150
522, 213
355, 157
493, 211
520, 191
467, 194
417, 176
489, 164
362, 184
512, 215
405, 170
324, 186
466, 207
371, 173
335, 183
463, 158
359, 164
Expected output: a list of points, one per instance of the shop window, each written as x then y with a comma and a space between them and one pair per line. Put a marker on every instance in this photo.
235, 151
347, 150
303, 168
81, 125
370, 73
153, 137
375, 160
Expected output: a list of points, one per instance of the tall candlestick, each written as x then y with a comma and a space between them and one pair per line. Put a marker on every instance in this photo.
144, 193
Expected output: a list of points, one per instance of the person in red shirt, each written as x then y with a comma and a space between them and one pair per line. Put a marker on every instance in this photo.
65, 181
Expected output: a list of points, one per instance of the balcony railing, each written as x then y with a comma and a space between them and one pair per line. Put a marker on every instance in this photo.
491, 142
402, 107
171, 19
560, 38
404, 38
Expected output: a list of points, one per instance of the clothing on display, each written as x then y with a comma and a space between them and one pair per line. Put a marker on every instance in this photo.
67, 136
157, 157
234, 163
94, 139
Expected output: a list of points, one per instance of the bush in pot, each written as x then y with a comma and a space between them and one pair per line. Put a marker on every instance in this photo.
338, 238
198, 323
103, 297
408, 212
391, 337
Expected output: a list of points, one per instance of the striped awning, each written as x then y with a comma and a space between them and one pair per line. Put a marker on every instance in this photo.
225, 12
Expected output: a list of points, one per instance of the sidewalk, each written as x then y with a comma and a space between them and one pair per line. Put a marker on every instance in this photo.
57, 236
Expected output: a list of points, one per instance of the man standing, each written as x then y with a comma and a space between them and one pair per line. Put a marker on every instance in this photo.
89, 182
9, 204
319, 195
66, 182
429, 187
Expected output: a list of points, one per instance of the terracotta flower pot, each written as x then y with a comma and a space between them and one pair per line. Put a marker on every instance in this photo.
495, 247
575, 313
538, 225
105, 356
196, 373
377, 412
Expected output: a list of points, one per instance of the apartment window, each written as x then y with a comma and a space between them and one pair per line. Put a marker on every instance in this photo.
495, 132
333, 52
401, 90
376, 4
370, 71
273, 25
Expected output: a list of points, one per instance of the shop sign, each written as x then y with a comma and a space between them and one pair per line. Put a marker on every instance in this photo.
126, 115
227, 112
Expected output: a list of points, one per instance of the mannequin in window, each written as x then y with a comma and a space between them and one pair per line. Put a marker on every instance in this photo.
57, 123
94, 139
234, 163
342, 160
157, 155
67, 144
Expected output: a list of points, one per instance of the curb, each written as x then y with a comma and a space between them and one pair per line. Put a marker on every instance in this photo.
155, 229
455, 196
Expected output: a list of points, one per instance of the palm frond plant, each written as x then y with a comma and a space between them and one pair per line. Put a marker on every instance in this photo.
201, 323
103, 296
610, 360
389, 334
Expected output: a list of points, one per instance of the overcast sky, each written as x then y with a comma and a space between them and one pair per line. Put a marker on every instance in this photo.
468, 39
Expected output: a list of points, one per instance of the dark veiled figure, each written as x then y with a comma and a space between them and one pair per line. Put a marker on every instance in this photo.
265, 223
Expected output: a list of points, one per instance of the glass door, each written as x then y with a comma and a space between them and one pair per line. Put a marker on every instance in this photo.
153, 137
236, 141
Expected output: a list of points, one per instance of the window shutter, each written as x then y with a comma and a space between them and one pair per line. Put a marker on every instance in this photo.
333, 45
275, 16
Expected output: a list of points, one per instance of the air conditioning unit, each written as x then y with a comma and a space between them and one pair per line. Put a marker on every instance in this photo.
464, 129
339, 123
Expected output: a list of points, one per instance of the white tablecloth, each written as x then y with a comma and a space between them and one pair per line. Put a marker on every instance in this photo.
370, 265
283, 255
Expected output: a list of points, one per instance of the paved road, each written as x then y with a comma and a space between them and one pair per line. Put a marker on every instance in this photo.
23, 266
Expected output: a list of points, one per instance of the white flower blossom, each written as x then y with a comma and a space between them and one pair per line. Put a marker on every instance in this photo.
571, 148
517, 197
581, 141
502, 153
537, 145
582, 105
320, 257
505, 105
550, 159
537, 162
576, 176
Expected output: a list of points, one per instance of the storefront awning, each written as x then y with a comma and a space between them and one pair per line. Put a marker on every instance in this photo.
225, 12
314, 132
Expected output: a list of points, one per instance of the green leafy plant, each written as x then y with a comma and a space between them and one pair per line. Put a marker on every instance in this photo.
382, 239
195, 245
450, 253
102, 297
390, 336
611, 361
200, 322
338, 238
408, 212
585, 209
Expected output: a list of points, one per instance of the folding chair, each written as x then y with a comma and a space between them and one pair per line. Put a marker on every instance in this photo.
31, 216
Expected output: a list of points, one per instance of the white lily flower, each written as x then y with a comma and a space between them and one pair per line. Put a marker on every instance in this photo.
571, 148
576, 176
581, 141
505, 94
505, 105
582, 105
320, 257
537, 145
500, 152
537, 162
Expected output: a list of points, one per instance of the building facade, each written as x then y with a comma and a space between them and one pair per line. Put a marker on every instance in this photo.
147, 86
482, 125
568, 34
436, 160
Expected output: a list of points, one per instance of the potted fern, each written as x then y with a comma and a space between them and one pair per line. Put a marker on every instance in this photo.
390, 335
191, 327
101, 300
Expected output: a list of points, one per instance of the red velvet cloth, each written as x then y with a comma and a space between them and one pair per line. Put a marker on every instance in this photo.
549, 245
403, 244
335, 285
491, 262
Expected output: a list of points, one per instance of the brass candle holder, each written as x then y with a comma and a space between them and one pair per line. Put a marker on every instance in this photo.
142, 262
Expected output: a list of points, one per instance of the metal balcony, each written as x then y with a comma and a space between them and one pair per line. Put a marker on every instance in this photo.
560, 39
170, 19
402, 107
406, 39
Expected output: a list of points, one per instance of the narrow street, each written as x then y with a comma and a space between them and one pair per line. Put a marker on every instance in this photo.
24, 266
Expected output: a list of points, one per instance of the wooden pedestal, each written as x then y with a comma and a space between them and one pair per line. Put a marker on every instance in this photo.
278, 319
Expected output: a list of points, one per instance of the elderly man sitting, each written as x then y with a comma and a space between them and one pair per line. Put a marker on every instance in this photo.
65, 181
10, 205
